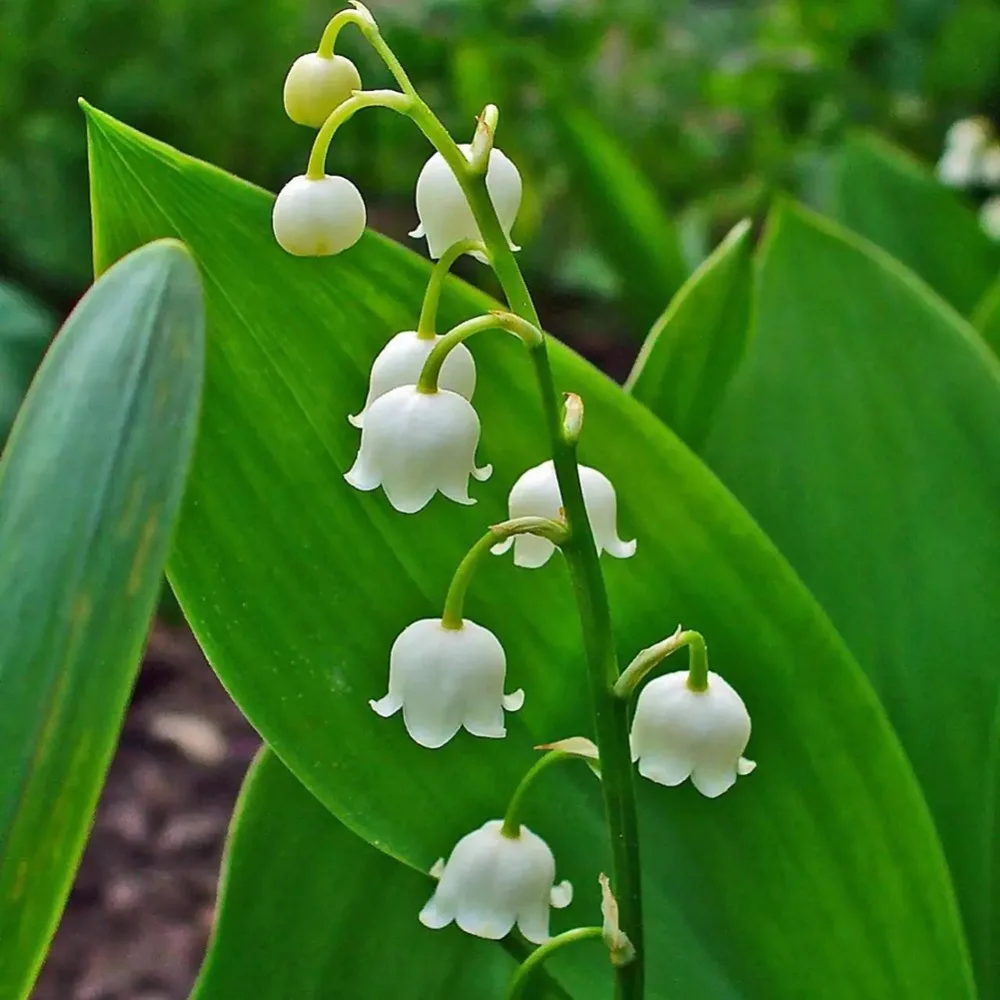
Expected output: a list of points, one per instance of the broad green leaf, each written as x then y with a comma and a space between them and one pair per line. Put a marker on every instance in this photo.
882, 193
627, 222
90, 485
296, 586
25, 331
986, 318
309, 910
695, 347
863, 433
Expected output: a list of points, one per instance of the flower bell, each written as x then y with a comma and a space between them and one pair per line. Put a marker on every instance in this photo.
316, 217
317, 85
680, 733
444, 212
536, 494
401, 361
446, 678
414, 444
492, 881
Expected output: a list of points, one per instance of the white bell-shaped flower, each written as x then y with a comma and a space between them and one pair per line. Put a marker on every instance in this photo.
444, 213
967, 133
678, 733
414, 444
989, 217
492, 881
317, 85
989, 166
316, 218
536, 494
447, 678
401, 361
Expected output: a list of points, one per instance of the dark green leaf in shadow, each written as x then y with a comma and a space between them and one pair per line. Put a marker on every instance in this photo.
888, 197
308, 910
25, 331
863, 433
90, 485
623, 212
695, 347
296, 586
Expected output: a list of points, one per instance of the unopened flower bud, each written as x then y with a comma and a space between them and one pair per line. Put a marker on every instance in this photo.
316, 218
679, 733
414, 444
444, 212
492, 881
317, 85
401, 361
447, 678
536, 494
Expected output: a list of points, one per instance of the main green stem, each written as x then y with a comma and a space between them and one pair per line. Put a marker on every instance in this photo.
611, 718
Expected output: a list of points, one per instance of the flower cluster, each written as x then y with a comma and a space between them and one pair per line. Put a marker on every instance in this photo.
971, 159
420, 433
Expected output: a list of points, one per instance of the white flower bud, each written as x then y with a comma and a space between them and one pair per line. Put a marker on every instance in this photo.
401, 361
317, 85
316, 218
678, 733
444, 213
989, 217
536, 494
492, 881
447, 678
414, 444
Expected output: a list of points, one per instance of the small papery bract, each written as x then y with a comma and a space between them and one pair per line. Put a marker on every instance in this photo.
318, 217
678, 733
401, 361
317, 85
444, 212
414, 444
446, 678
536, 494
491, 881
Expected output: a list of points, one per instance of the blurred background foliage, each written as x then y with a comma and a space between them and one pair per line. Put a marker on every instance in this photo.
644, 128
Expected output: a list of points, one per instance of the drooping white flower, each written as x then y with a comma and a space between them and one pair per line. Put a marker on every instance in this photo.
491, 881
536, 494
401, 361
316, 85
447, 678
957, 167
968, 134
989, 217
444, 213
316, 218
414, 444
989, 166
678, 733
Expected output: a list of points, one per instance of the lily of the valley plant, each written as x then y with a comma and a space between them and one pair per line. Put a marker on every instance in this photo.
419, 435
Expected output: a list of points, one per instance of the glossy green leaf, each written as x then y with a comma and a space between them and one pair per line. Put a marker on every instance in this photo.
296, 586
695, 347
626, 219
25, 331
863, 433
308, 910
888, 197
986, 317
90, 485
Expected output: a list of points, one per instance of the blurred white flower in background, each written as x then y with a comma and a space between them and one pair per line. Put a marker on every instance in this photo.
989, 217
